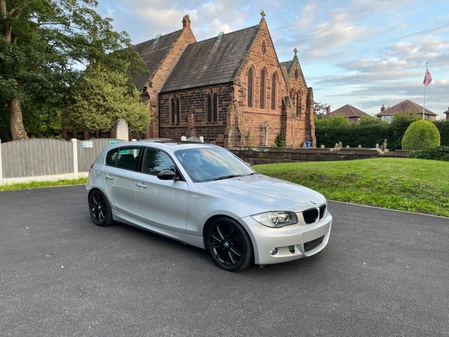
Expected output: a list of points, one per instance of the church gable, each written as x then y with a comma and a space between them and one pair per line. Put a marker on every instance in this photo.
210, 62
161, 55
296, 85
260, 76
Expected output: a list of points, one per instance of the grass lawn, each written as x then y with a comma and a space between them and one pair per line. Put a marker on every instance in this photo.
414, 185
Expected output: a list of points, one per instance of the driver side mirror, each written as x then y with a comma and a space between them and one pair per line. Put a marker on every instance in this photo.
167, 175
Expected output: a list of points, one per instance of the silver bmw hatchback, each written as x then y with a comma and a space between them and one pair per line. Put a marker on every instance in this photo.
205, 196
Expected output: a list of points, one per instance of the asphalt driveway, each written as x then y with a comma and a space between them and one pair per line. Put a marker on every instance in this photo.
384, 273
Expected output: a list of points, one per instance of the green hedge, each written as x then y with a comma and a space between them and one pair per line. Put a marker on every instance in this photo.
368, 133
440, 153
443, 127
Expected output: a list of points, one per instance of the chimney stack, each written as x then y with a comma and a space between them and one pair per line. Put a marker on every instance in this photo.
186, 22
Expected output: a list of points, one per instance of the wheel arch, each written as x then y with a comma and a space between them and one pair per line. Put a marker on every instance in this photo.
93, 189
218, 216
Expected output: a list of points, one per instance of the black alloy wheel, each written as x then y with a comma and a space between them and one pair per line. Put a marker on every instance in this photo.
229, 245
99, 209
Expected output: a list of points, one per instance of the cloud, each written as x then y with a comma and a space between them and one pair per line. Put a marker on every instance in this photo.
360, 52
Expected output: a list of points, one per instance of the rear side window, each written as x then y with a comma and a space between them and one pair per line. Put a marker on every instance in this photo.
125, 158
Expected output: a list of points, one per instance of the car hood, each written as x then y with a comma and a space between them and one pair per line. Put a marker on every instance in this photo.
258, 193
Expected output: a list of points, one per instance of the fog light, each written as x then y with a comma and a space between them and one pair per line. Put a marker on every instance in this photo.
291, 249
274, 251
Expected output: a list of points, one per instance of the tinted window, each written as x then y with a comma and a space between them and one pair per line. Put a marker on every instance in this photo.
125, 158
111, 157
155, 161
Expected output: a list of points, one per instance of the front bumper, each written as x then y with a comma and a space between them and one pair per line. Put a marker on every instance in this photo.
277, 245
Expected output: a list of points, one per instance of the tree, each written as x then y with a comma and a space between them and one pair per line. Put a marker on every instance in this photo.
332, 121
320, 109
102, 97
44, 46
370, 121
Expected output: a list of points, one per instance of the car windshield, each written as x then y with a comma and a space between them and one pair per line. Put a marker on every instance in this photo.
212, 164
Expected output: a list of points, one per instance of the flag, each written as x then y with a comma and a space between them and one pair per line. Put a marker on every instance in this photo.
427, 78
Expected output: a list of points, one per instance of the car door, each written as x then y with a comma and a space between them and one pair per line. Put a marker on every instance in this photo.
120, 178
161, 203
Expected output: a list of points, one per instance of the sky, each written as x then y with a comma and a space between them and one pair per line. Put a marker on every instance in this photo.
366, 53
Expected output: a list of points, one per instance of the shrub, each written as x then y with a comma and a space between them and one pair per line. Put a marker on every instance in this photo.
280, 140
421, 135
439, 153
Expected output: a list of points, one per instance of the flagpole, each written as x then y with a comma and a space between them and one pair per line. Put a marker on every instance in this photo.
425, 91
424, 104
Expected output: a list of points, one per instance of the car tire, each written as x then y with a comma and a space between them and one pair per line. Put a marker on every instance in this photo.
99, 209
229, 245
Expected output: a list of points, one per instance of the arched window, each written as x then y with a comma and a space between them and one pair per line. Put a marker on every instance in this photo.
209, 107
178, 118
174, 111
298, 103
215, 108
250, 88
212, 108
263, 83
274, 81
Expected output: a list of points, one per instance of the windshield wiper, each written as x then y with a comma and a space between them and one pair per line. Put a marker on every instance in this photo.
230, 176
234, 176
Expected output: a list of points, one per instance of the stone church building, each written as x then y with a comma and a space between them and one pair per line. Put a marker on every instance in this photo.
230, 89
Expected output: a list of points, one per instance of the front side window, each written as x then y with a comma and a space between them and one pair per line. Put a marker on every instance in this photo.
155, 161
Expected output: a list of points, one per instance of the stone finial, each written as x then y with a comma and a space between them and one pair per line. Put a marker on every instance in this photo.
262, 14
295, 51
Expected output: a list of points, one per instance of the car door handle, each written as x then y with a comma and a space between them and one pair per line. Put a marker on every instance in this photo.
142, 185
107, 176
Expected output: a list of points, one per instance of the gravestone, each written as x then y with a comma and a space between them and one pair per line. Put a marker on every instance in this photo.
121, 129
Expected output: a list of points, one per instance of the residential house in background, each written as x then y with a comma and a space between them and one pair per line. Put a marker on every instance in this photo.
230, 89
350, 112
447, 114
406, 106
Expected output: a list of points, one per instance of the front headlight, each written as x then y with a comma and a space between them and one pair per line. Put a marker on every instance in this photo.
276, 219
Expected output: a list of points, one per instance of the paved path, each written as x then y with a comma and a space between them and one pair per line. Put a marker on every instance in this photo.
384, 273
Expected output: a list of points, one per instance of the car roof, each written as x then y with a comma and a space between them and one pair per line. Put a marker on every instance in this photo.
167, 144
